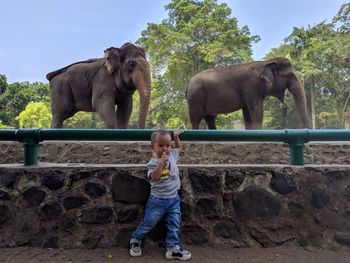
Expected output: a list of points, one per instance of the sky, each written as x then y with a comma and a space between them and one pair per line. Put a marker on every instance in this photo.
39, 36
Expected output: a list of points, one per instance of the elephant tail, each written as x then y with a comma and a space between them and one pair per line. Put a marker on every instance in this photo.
50, 75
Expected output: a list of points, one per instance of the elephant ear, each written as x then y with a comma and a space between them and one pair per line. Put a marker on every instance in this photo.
267, 77
112, 59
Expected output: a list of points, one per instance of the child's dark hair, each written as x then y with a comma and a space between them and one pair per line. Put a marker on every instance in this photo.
158, 132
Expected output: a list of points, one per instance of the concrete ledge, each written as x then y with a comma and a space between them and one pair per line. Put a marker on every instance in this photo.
90, 205
194, 152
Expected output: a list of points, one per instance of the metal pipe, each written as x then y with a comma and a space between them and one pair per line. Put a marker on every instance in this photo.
294, 137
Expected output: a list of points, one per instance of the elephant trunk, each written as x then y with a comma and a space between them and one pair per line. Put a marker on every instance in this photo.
298, 92
144, 89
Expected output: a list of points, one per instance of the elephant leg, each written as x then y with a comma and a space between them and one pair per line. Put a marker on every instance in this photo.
256, 114
105, 107
247, 120
57, 121
210, 120
123, 113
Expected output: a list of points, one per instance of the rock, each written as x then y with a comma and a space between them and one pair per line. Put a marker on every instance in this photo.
337, 175
68, 224
34, 196
282, 183
5, 214
130, 189
74, 201
186, 212
194, 235
4, 195
208, 208
203, 183
254, 203
91, 242
80, 175
319, 198
96, 215
43, 239
123, 237
229, 230
51, 210
8, 179
234, 179
272, 235
94, 189
296, 209
54, 181
343, 238
127, 215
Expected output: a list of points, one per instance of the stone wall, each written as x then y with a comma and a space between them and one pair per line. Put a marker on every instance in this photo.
194, 152
63, 205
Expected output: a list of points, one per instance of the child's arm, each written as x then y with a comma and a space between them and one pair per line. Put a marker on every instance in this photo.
178, 144
157, 172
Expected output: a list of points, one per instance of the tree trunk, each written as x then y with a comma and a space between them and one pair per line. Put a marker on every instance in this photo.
312, 104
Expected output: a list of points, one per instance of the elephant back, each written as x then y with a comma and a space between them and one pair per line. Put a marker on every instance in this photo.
50, 75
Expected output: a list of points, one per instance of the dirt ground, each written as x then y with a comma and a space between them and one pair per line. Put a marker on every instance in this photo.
285, 254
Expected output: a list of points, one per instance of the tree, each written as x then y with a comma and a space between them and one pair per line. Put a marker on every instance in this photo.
35, 115
84, 120
197, 35
17, 95
3, 83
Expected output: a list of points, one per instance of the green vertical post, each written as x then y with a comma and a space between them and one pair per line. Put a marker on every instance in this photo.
296, 151
30, 150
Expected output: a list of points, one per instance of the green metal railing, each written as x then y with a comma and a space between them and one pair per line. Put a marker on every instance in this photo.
294, 137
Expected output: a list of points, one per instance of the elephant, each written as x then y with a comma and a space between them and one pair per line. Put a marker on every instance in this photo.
97, 85
229, 88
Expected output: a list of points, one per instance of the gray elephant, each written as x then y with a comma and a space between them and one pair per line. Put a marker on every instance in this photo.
97, 85
244, 86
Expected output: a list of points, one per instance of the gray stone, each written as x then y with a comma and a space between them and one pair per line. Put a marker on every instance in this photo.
130, 189
74, 201
282, 183
186, 212
5, 214
92, 241
8, 179
96, 215
4, 195
51, 210
127, 215
194, 235
254, 203
337, 175
34, 196
123, 237
296, 209
234, 179
43, 239
271, 236
208, 208
204, 183
347, 192
94, 189
319, 198
54, 181
68, 224
80, 175
227, 229
343, 238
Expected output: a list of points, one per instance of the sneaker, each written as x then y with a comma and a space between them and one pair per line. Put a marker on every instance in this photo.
135, 248
178, 253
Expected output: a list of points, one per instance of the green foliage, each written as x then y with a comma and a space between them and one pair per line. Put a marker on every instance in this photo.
84, 120
3, 83
17, 96
35, 115
197, 35
3, 126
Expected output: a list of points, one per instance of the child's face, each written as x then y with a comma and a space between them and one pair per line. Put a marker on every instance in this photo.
162, 144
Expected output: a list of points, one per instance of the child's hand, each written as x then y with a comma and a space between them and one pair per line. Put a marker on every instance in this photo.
177, 132
165, 157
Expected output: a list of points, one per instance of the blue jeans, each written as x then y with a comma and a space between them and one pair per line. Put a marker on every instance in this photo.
156, 209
